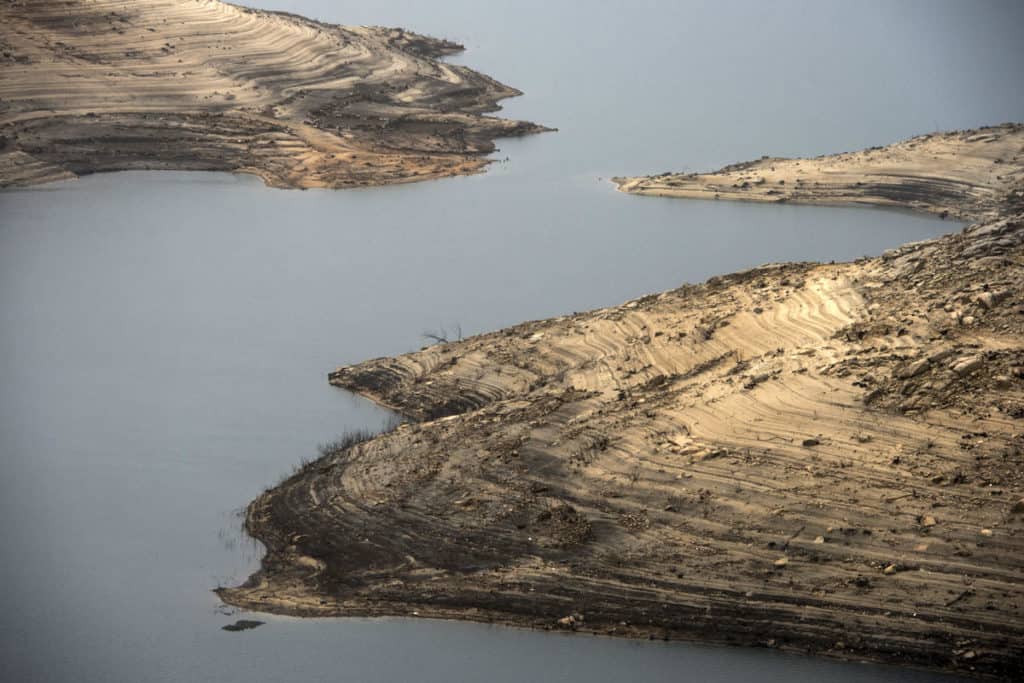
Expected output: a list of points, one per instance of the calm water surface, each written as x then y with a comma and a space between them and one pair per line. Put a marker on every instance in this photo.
164, 337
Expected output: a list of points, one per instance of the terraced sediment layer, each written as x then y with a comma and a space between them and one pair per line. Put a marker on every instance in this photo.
962, 174
819, 458
107, 85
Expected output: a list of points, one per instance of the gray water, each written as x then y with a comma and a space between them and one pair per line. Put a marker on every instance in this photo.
164, 337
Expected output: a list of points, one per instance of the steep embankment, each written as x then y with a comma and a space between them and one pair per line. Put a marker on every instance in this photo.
104, 85
823, 458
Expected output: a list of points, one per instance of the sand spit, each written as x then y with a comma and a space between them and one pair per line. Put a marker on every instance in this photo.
102, 85
818, 458
960, 174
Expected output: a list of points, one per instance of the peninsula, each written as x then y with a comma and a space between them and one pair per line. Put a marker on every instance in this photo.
810, 457
101, 85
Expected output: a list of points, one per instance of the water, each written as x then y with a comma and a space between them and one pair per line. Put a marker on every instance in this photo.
164, 337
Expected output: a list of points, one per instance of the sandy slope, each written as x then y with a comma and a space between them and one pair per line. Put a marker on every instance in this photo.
101, 85
822, 458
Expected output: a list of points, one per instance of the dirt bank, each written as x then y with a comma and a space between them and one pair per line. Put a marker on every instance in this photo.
106, 85
819, 458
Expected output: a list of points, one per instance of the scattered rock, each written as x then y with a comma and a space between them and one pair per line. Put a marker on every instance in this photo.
860, 581
990, 300
941, 355
965, 366
913, 369
571, 621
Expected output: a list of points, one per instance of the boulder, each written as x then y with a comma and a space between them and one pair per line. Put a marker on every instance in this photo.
966, 365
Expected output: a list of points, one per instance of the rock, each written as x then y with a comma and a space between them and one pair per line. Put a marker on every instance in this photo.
890, 569
987, 533
819, 540
913, 369
243, 625
928, 521
967, 365
1002, 382
571, 620
781, 562
807, 443
968, 320
1018, 507
990, 300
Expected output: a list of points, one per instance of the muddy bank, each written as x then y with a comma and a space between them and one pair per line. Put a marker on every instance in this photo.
176, 85
817, 458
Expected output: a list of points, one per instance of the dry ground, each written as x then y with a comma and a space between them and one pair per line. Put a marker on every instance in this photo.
823, 458
108, 85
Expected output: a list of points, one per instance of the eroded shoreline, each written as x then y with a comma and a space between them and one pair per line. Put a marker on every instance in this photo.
818, 458
960, 175
102, 86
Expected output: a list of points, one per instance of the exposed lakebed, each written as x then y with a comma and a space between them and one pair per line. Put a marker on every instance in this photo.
165, 339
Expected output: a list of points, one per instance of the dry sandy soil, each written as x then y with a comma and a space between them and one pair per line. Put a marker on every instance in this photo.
818, 458
104, 85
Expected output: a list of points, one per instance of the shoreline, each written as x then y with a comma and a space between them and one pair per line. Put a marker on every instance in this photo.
895, 177
172, 85
819, 458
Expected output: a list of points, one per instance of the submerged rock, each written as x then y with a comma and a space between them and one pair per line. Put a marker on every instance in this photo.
243, 625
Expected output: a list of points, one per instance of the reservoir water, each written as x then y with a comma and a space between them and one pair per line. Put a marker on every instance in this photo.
165, 337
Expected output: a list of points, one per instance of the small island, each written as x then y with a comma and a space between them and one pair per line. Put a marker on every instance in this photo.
98, 86
820, 458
